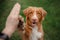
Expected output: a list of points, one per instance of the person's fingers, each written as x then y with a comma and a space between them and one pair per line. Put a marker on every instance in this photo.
15, 10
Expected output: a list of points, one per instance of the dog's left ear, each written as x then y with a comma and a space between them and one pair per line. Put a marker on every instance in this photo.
43, 12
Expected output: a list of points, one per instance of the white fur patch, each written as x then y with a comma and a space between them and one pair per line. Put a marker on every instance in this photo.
35, 34
34, 16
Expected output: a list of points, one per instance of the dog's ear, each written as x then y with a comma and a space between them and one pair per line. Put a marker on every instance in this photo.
27, 11
43, 12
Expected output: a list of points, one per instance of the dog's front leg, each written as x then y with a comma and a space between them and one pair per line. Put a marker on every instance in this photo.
41, 38
40, 29
24, 37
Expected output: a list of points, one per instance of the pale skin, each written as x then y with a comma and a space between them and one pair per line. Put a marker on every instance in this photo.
12, 21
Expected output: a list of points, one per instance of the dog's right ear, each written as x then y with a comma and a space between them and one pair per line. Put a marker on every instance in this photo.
27, 11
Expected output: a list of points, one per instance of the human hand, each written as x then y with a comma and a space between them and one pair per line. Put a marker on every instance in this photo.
12, 20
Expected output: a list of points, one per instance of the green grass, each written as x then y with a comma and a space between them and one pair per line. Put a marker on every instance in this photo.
51, 23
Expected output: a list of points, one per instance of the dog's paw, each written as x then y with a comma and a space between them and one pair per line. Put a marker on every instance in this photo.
21, 23
39, 35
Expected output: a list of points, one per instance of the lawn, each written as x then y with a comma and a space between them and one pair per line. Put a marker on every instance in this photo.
51, 24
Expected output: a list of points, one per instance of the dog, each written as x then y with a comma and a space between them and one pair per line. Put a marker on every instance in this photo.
33, 29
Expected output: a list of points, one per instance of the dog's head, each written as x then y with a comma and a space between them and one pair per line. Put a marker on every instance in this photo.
34, 14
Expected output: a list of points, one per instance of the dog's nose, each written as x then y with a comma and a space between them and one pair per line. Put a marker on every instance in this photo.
34, 20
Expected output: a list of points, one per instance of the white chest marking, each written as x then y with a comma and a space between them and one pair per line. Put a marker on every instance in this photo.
35, 34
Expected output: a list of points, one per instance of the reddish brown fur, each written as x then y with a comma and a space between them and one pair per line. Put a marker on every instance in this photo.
40, 12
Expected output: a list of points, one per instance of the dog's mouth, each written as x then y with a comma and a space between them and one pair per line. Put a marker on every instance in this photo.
34, 22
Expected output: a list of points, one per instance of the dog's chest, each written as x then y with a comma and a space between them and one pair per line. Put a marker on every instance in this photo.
35, 35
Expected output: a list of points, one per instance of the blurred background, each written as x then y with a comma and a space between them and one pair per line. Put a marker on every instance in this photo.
51, 24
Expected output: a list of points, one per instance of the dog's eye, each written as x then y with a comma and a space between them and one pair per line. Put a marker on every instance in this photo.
30, 12
39, 13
